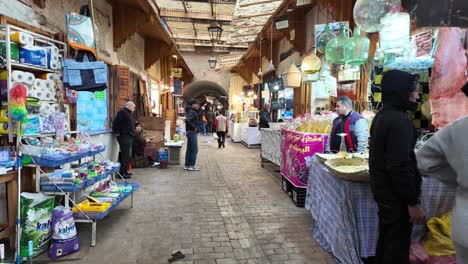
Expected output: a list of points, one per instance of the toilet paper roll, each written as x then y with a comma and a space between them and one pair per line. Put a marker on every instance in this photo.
52, 50
22, 38
23, 77
45, 108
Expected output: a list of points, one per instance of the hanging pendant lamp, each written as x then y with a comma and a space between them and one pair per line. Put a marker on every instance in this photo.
311, 63
356, 49
293, 77
260, 73
336, 47
271, 67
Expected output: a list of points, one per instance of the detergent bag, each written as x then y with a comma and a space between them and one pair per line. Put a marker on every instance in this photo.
64, 236
36, 222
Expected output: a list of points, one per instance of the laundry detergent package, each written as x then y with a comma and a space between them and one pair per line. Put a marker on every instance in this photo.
33, 55
36, 222
64, 236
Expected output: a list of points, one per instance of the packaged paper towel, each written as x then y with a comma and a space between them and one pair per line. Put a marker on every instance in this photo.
33, 55
23, 77
22, 38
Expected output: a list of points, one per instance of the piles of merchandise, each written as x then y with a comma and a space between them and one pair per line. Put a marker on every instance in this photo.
84, 176
315, 124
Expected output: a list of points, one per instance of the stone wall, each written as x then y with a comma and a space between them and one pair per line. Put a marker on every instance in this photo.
51, 18
201, 69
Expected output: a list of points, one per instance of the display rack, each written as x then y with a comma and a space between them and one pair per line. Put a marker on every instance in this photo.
41, 40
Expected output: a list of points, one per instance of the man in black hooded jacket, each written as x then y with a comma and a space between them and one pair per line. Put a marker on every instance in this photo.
395, 181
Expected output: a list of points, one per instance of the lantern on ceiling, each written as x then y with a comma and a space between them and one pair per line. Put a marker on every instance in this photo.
293, 77
215, 30
367, 13
357, 48
335, 50
311, 63
324, 38
212, 61
395, 32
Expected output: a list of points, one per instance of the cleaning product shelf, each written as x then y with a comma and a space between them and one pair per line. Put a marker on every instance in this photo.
53, 162
70, 187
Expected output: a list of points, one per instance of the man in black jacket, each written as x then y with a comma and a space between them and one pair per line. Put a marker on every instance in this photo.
394, 177
265, 118
124, 129
192, 122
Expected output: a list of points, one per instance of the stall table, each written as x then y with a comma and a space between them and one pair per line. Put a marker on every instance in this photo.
236, 131
250, 136
345, 213
270, 146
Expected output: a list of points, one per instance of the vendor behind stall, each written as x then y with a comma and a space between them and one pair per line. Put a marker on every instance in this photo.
352, 124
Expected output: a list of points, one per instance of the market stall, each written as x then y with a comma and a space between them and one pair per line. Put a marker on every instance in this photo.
345, 213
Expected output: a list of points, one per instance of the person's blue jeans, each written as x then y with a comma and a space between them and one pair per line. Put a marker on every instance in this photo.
204, 128
192, 149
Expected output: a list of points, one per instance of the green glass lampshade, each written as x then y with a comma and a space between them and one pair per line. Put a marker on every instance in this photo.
335, 50
357, 48
324, 38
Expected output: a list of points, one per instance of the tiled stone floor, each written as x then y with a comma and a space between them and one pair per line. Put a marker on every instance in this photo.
232, 211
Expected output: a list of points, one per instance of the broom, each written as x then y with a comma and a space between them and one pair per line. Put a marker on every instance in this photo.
18, 98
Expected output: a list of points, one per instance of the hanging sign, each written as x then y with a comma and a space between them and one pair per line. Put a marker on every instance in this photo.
178, 87
330, 85
176, 72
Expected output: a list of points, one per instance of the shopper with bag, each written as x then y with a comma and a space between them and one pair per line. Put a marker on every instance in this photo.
221, 125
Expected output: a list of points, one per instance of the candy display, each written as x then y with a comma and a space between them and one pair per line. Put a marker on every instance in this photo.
316, 124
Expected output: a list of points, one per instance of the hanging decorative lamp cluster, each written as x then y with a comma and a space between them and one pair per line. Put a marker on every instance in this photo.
271, 67
395, 32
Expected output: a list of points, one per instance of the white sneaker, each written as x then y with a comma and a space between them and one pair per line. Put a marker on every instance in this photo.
155, 164
194, 168
186, 168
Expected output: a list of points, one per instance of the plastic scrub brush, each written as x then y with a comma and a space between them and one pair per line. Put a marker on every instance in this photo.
18, 98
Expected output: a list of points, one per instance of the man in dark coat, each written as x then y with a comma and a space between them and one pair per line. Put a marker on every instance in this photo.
265, 117
123, 128
394, 178
192, 122
210, 117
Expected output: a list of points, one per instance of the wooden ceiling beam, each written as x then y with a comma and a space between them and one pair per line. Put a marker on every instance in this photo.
196, 15
258, 3
257, 15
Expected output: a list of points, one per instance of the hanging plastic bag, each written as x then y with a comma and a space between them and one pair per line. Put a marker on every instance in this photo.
417, 254
64, 236
439, 241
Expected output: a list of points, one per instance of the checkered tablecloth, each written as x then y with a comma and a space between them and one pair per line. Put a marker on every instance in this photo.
345, 213
271, 145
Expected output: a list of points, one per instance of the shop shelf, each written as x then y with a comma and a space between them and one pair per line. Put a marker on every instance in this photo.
117, 202
30, 67
70, 187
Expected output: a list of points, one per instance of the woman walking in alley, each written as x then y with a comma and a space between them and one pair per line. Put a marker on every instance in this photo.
221, 125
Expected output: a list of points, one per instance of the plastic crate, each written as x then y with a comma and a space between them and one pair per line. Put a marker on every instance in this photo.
174, 155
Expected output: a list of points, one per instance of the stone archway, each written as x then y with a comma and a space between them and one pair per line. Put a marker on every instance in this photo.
204, 88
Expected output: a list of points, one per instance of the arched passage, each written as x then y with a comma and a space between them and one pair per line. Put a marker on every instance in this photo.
199, 89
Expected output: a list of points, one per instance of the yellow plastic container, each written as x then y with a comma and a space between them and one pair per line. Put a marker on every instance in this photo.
91, 206
4, 115
4, 128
